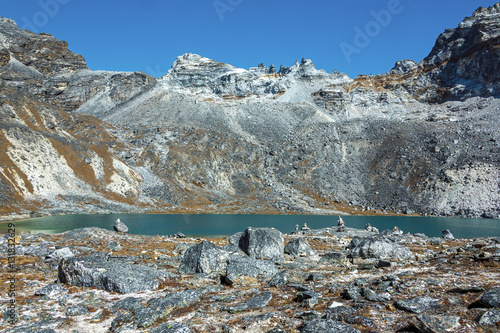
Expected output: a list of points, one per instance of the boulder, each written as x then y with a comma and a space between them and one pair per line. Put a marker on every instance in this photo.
204, 257
238, 267
490, 299
338, 312
333, 258
60, 254
172, 328
283, 278
308, 298
299, 247
76, 310
491, 317
95, 271
263, 243
256, 302
181, 248
326, 326
51, 290
340, 222
136, 315
179, 235
446, 234
418, 304
119, 226
427, 323
235, 238
369, 228
378, 248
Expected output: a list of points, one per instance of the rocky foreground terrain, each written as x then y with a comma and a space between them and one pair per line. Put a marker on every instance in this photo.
336, 279
210, 137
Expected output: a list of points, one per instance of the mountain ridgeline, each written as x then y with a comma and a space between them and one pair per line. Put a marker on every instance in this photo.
210, 137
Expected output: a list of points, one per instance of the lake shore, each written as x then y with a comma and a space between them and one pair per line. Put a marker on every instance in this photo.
324, 283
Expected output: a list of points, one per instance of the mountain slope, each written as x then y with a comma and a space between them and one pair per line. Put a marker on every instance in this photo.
209, 137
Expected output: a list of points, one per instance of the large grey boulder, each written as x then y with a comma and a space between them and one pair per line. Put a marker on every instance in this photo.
263, 243
51, 290
326, 326
238, 267
119, 226
65, 252
204, 257
429, 323
490, 317
333, 258
446, 234
299, 247
96, 271
378, 248
490, 299
256, 302
419, 304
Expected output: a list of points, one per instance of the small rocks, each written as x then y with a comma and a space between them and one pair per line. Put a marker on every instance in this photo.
333, 258
119, 226
419, 304
446, 234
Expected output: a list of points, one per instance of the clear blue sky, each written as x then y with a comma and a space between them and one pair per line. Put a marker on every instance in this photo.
147, 35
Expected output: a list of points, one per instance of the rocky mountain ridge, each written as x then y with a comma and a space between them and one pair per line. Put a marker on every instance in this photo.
210, 137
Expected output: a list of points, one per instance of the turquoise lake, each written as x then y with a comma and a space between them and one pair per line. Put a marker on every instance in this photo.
223, 225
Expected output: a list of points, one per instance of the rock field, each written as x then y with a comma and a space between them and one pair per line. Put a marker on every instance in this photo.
258, 280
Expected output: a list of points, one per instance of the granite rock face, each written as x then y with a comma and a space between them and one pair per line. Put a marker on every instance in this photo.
421, 138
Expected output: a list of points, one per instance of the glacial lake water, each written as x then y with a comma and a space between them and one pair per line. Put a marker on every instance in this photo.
223, 225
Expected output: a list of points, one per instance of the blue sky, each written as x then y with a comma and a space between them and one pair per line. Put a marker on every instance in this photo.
355, 37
